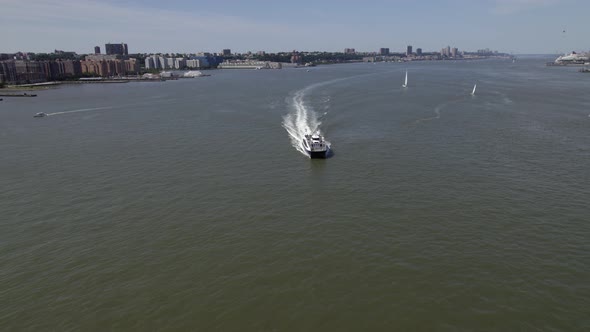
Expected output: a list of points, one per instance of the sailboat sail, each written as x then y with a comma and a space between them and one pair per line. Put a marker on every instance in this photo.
474, 87
406, 81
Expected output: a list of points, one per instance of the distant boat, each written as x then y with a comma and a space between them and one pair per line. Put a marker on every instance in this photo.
40, 115
474, 87
405, 85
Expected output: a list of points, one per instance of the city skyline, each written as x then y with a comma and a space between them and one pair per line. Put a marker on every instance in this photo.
516, 26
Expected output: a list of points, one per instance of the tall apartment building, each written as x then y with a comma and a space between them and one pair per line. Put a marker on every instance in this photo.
162, 62
193, 63
170, 62
109, 68
131, 66
149, 63
409, 50
120, 49
384, 51
60, 69
349, 51
179, 63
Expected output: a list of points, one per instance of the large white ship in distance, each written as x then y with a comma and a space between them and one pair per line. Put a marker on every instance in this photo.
573, 58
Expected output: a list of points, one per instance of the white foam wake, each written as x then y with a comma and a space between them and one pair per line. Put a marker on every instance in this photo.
80, 110
303, 119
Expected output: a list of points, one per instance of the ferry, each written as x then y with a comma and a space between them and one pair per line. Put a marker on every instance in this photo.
316, 146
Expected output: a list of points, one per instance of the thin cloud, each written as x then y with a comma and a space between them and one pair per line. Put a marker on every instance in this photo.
507, 7
83, 23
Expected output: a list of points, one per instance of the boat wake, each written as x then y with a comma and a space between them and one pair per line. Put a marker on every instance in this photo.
303, 119
439, 108
80, 110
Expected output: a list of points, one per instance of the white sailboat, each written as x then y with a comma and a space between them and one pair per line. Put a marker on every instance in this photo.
474, 87
405, 85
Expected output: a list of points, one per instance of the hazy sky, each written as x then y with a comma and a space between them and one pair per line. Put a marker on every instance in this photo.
519, 26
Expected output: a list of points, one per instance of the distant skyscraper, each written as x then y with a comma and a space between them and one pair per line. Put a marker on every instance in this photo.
226, 51
96, 49
349, 51
409, 50
116, 49
419, 51
454, 52
384, 51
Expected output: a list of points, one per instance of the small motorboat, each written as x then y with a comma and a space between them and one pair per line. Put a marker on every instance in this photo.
40, 115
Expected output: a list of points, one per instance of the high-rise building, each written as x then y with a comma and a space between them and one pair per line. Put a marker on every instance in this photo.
179, 63
384, 51
149, 63
193, 63
131, 66
419, 51
349, 51
162, 62
170, 62
96, 49
454, 52
119, 49
409, 50
226, 52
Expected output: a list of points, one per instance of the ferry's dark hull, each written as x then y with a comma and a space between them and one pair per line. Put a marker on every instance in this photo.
317, 154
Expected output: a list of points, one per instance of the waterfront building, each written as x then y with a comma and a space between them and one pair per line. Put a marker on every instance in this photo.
102, 57
8, 72
201, 61
109, 68
419, 51
409, 50
131, 66
72, 67
384, 51
162, 62
120, 49
179, 63
170, 63
193, 63
249, 64
349, 51
29, 71
454, 52
60, 69
226, 52
149, 63
96, 49
26, 72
